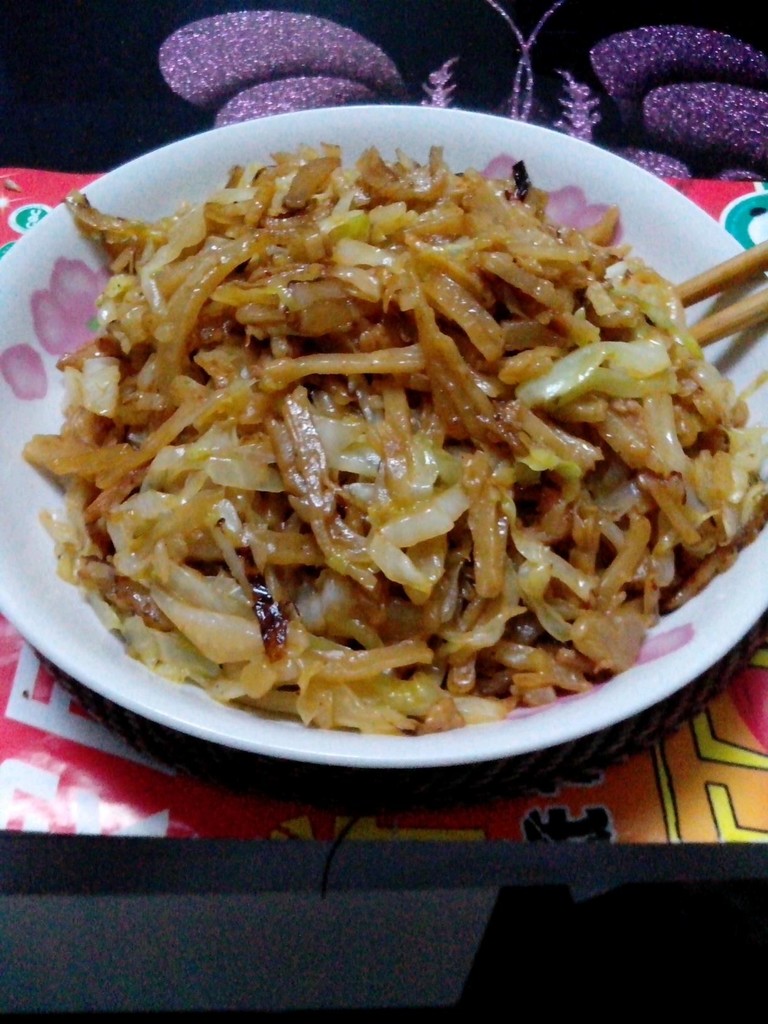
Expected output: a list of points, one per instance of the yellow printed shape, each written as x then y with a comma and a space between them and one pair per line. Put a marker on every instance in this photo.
711, 748
729, 830
667, 795
694, 759
294, 828
369, 828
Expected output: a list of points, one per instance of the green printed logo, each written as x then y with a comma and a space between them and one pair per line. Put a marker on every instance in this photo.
746, 218
24, 218
6, 248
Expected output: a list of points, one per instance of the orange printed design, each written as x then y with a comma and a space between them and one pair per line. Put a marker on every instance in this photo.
713, 774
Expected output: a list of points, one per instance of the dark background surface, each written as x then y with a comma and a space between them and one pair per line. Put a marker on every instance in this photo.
81, 88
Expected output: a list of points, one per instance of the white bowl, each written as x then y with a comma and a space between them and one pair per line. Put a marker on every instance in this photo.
664, 227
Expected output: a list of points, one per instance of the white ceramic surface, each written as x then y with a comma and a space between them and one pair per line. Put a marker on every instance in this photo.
662, 225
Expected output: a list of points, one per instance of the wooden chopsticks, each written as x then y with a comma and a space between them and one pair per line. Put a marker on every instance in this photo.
739, 315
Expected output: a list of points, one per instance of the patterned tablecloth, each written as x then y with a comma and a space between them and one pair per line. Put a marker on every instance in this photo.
62, 772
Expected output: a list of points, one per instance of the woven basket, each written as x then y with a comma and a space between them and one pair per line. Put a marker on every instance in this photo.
371, 790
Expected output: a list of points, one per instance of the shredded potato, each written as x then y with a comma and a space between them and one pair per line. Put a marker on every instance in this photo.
381, 448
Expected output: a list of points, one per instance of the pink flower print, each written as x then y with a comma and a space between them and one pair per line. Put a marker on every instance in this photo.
22, 368
500, 167
63, 313
571, 208
666, 643
10, 643
567, 206
63, 318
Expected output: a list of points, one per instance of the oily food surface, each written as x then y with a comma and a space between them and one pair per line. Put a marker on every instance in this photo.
380, 447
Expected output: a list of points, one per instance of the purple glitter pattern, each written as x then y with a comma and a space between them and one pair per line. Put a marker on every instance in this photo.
661, 164
303, 93
210, 60
580, 109
695, 100
519, 105
628, 64
439, 90
705, 118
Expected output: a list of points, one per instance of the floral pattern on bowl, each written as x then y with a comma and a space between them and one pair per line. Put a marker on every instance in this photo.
567, 206
22, 369
63, 313
63, 316
662, 644
10, 643
659, 646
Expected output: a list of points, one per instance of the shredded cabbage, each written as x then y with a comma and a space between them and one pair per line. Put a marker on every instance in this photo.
379, 447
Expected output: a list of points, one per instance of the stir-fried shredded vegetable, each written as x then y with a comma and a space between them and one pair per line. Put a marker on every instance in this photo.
380, 447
